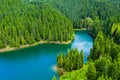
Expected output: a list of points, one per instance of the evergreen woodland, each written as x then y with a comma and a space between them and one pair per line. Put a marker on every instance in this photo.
24, 23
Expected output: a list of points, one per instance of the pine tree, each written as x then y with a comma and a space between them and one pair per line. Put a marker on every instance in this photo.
2, 45
104, 78
91, 72
102, 65
81, 58
60, 60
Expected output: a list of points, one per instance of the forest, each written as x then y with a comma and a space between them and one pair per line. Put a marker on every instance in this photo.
72, 61
102, 20
103, 62
26, 23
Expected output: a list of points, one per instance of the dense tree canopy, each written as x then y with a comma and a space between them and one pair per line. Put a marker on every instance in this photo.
102, 19
104, 61
26, 23
104, 47
78, 10
73, 60
91, 72
101, 13
115, 32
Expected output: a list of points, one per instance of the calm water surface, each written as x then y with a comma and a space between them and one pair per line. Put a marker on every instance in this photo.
36, 63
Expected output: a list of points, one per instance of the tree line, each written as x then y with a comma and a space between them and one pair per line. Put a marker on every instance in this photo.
72, 60
103, 23
91, 14
79, 10
26, 23
103, 61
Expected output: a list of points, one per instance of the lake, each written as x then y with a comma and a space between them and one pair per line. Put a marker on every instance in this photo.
36, 63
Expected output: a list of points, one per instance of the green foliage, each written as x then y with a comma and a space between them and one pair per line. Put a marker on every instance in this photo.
112, 71
110, 26
104, 78
54, 78
104, 61
73, 60
91, 72
102, 65
115, 50
96, 27
78, 10
98, 48
105, 53
75, 75
104, 47
29, 22
115, 32
103, 13
2, 44
88, 23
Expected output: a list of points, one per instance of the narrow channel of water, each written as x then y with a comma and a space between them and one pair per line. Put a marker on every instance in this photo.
35, 63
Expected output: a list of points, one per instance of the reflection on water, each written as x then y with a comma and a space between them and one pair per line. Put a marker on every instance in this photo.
38, 62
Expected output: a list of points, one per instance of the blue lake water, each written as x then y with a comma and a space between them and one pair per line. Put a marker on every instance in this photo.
36, 63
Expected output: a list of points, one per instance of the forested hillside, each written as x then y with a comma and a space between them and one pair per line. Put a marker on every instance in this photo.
90, 14
103, 62
113, 28
102, 20
26, 23
95, 15
78, 10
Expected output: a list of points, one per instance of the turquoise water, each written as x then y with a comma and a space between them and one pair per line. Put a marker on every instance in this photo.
36, 63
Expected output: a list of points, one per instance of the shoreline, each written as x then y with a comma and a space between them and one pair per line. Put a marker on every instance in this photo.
7, 49
60, 71
82, 29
